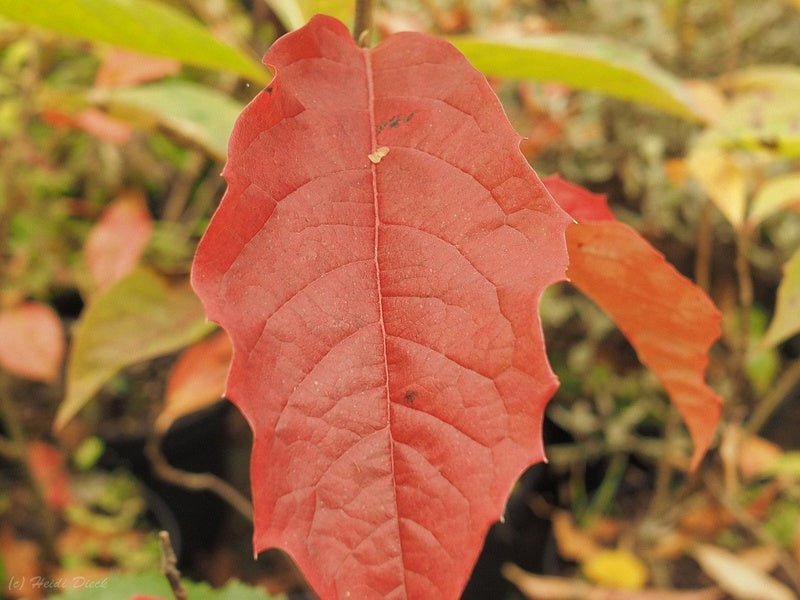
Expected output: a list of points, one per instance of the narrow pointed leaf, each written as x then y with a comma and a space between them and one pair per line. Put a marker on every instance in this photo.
736, 577
138, 318
378, 260
786, 321
775, 195
584, 63
670, 322
141, 25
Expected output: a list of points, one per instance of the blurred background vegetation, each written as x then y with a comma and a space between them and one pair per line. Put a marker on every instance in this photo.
114, 119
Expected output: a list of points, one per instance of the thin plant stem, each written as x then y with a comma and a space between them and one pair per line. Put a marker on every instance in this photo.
169, 567
605, 494
774, 397
362, 24
184, 184
745, 281
664, 467
705, 245
195, 481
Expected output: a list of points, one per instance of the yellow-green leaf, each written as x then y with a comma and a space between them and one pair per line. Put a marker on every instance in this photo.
722, 178
763, 120
585, 63
764, 77
775, 195
138, 318
786, 321
143, 25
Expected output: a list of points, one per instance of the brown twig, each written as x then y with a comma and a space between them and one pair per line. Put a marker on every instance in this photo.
705, 245
362, 24
774, 397
195, 481
745, 281
169, 567
664, 468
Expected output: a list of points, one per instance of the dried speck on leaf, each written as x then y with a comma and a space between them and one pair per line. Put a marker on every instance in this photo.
378, 155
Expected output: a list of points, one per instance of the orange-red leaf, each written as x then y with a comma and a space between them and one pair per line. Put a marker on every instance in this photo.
119, 238
378, 260
48, 467
31, 342
197, 380
670, 322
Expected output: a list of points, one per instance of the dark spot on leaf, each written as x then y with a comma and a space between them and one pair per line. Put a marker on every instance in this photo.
410, 396
394, 122
769, 143
269, 89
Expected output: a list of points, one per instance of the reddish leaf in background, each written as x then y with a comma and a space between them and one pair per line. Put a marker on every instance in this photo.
31, 342
670, 322
197, 380
121, 68
117, 241
94, 122
383, 309
48, 467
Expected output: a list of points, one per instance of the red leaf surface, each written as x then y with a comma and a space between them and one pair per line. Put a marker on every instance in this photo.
119, 238
378, 260
670, 322
31, 342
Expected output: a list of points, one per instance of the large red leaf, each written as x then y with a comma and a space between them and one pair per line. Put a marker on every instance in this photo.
670, 322
378, 260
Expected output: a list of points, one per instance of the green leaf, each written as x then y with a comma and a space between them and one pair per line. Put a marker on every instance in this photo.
775, 195
585, 63
786, 321
295, 13
138, 318
195, 112
761, 364
141, 25
127, 586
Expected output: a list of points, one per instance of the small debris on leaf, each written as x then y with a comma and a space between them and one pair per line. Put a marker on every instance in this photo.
378, 155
